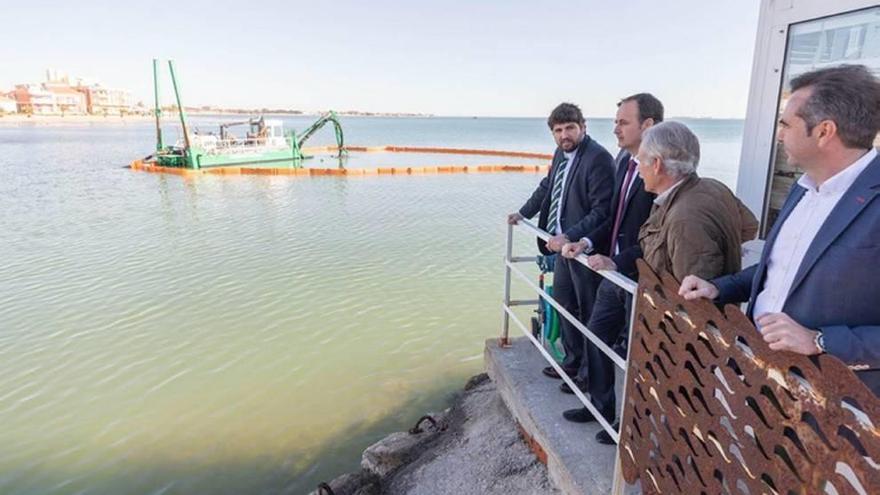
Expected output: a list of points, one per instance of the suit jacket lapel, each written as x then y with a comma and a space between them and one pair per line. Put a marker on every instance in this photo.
619, 175
853, 201
579, 153
636, 185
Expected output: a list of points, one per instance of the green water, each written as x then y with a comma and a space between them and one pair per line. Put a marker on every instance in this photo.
243, 334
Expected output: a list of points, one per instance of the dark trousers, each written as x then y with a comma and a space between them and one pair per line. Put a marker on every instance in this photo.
574, 287
608, 320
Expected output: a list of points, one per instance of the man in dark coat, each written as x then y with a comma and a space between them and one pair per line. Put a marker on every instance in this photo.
573, 199
614, 245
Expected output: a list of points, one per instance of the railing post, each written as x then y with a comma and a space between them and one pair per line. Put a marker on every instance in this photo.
508, 254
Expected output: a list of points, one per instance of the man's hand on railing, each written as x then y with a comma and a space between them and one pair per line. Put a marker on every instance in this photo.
514, 218
598, 262
574, 249
693, 287
555, 243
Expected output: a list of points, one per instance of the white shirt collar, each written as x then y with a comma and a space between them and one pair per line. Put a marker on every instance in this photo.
664, 196
841, 181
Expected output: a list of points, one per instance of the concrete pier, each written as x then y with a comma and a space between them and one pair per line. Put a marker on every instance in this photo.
576, 463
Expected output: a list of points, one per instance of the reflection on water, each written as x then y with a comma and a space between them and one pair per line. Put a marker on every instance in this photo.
234, 335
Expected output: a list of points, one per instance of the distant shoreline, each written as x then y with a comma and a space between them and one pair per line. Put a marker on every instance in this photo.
72, 119
58, 120
17, 118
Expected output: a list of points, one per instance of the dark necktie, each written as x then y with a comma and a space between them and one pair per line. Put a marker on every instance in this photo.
618, 218
556, 195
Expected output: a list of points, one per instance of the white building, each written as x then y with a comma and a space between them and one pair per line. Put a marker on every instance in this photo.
7, 105
106, 101
49, 99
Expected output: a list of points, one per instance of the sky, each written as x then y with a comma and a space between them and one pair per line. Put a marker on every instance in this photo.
507, 58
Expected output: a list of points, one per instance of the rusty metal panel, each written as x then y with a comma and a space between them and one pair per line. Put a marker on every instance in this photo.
711, 409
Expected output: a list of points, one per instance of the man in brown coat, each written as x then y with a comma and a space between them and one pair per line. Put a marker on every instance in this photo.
697, 226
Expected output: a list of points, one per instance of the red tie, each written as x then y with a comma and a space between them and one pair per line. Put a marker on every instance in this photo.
630, 169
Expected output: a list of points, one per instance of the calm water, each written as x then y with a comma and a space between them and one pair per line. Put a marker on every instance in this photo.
243, 334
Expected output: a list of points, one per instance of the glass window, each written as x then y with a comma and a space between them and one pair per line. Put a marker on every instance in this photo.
850, 38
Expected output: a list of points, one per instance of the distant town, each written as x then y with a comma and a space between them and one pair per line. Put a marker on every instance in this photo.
61, 95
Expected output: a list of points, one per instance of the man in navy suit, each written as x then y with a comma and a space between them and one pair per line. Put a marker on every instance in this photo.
814, 289
614, 245
573, 199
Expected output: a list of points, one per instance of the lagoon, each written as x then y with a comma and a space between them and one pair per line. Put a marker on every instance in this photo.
246, 334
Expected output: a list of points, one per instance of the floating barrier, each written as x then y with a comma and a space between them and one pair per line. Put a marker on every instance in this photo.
140, 165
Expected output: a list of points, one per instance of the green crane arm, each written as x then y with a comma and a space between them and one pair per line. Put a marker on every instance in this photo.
158, 109
317, 125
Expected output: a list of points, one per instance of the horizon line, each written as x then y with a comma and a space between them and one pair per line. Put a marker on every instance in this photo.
365, 113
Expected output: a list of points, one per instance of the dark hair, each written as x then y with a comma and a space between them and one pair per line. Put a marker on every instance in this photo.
848, 95
565, 113
649, 106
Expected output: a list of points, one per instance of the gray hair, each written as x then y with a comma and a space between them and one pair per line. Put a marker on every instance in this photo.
675, 145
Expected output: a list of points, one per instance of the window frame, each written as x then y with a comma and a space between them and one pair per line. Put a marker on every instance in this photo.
777, 17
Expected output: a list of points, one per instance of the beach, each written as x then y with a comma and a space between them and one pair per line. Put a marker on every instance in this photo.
24, 119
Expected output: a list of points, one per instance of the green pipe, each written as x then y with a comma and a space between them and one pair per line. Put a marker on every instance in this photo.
297, 153
158, 109
187, 149
553, 322
337, 127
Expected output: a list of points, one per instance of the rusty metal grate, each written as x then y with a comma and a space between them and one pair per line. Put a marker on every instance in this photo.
711, 409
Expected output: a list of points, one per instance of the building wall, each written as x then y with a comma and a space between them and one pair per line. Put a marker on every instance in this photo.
8, 106
67, 101
106, 101
49, 99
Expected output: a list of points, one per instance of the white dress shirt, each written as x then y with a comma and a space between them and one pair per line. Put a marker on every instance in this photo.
799, 230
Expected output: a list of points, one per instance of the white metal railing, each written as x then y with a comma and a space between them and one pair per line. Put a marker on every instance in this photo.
618, 279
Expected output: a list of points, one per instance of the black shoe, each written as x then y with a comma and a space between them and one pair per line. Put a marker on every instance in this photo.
604, 438
551, 372
581, 385
579, 415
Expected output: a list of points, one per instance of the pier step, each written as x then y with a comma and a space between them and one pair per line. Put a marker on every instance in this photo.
577, 464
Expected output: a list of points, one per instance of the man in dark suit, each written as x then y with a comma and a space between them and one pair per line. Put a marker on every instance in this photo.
573, 199
615, 246
814, 288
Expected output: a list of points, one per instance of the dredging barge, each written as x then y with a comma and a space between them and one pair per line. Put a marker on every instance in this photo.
265, 141
266, 149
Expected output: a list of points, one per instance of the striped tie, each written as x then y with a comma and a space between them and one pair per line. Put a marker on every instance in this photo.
556, 195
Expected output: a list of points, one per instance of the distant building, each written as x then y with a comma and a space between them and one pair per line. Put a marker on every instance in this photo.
57, 96
49, 99
8, 105
55, 76
34, 99
106, 101
67, 100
